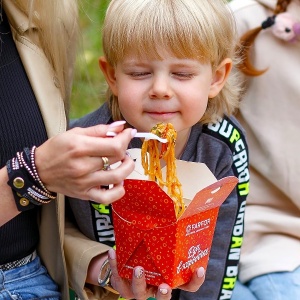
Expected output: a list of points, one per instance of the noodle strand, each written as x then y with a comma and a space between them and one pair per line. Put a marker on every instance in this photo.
151, 156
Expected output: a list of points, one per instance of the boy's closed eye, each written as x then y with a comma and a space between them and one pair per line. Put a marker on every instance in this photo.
183, 75
180, 75
139, 74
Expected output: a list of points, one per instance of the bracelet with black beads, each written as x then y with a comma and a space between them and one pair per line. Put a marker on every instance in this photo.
27, 187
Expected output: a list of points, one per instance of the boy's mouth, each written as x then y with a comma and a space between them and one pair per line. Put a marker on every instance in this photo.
161, 115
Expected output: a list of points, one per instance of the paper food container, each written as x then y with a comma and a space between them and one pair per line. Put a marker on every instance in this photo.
148, 234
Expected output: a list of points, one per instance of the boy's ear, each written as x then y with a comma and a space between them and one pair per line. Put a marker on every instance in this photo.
109, 74
219, 77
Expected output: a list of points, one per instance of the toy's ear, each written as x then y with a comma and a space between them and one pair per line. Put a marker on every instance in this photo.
109, 74
283, 27
296, 28
219, 77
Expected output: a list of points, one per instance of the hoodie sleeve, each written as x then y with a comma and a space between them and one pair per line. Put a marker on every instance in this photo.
226, 154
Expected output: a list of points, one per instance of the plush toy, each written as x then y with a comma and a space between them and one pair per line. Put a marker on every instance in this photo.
286, 27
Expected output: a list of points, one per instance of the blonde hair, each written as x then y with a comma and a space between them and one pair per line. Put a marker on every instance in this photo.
197, 29
54, 18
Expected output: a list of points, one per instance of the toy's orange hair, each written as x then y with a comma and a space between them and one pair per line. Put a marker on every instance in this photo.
247, 41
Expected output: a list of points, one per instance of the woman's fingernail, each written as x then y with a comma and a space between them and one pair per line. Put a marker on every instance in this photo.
200, 272
138, 272
133, 132
112, 253
127, 153
117, 123
111, 133
163, 291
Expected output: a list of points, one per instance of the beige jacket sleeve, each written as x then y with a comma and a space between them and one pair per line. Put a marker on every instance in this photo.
79, 251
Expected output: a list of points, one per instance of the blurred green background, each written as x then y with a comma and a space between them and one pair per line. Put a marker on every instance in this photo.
89, 85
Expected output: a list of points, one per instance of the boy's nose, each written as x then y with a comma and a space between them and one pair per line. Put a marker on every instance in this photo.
161, 89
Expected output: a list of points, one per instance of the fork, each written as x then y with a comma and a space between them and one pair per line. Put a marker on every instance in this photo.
145, 135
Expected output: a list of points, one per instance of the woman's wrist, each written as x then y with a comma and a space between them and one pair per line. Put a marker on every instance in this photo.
8, 209
24, 180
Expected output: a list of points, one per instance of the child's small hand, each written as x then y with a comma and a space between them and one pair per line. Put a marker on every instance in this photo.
137, 288
196, 281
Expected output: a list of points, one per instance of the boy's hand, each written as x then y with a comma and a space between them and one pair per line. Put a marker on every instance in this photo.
138, 289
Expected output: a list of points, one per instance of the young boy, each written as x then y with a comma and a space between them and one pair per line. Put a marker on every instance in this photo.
170, 61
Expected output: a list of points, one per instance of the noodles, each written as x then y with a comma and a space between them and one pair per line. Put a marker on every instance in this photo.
152, 166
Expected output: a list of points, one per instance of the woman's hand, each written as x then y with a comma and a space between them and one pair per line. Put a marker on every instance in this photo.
72, 163
138, 289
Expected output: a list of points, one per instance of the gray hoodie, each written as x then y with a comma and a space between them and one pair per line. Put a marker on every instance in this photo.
222, 147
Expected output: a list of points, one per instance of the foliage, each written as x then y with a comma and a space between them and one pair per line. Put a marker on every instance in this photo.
89, 86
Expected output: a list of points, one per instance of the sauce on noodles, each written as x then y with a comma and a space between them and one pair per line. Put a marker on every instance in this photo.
152, 167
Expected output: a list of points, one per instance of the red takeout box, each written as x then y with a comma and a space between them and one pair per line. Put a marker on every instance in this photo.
148, 234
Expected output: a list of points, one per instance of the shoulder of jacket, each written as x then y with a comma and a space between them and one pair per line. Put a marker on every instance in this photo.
101, 115
17, 19
229, 131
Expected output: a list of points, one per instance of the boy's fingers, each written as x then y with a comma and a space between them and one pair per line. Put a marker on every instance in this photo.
196, 281
164, 292
119, 284
139, 286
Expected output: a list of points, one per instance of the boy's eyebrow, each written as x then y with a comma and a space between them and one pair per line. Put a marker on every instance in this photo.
133, 64
187, 63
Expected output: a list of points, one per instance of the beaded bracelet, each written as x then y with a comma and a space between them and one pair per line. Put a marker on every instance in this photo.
28, 189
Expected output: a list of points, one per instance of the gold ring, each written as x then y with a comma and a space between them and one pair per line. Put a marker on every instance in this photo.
106, 165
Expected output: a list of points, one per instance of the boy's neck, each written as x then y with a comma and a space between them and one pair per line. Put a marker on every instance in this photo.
181, 141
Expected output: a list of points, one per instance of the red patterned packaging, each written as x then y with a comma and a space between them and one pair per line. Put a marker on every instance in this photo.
148, 234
